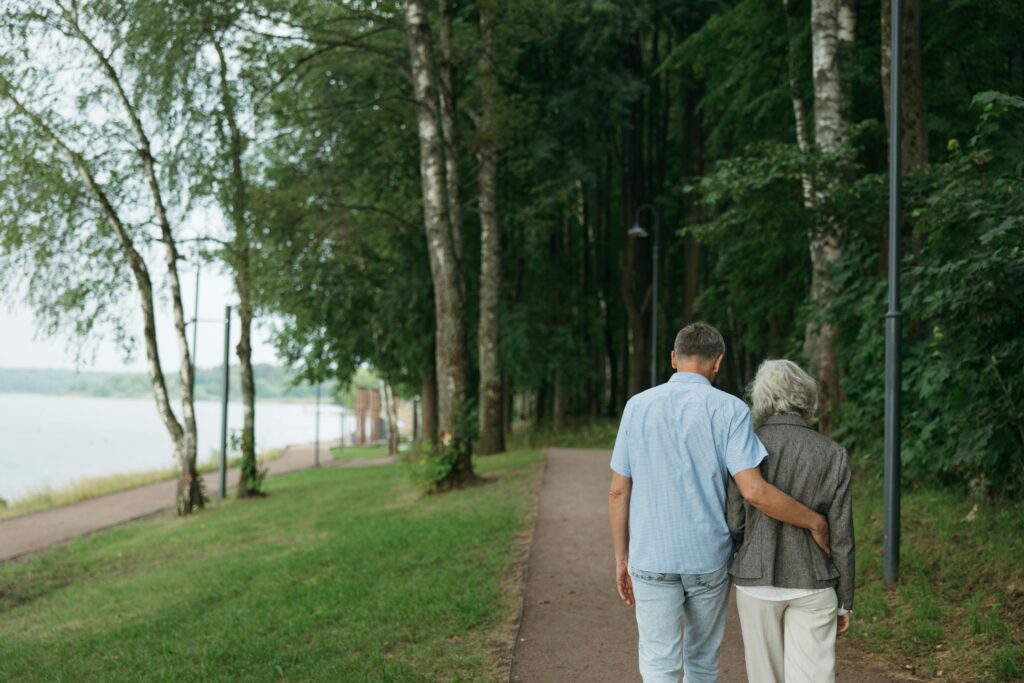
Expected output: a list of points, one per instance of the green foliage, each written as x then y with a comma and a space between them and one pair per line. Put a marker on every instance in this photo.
437, 468
745, 104
964, 281
963, 284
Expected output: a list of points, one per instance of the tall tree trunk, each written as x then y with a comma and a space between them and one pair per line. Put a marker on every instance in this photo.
636, 278
492, 435
450, 343
832, 27
796, 95
238, 257
387, 394
449, 132
428, 398
693, 167
249, 477
914, 119
559, 402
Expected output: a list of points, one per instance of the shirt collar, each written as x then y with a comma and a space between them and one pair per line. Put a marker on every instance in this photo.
689, 378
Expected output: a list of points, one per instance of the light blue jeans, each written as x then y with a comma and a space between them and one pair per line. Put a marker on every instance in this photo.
661, 601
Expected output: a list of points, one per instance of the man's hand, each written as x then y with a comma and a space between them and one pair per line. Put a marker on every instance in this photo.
778, 505
820, 536
842, 624
624, 582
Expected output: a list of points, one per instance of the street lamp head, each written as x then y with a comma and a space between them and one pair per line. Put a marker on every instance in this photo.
637, 231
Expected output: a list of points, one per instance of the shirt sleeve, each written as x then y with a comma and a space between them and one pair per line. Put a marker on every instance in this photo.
743, 450
620, 454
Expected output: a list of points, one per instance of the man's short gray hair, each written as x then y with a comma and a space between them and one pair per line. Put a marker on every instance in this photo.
782, 386
699, 340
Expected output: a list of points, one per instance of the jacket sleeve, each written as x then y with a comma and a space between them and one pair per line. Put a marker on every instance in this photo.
735, 511
840, 525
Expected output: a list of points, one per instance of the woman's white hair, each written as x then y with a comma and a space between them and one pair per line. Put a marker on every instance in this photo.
782, 386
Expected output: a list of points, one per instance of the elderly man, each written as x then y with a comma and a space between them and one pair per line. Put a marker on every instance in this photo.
677, 445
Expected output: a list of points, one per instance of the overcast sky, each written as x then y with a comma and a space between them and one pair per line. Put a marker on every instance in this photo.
20, 347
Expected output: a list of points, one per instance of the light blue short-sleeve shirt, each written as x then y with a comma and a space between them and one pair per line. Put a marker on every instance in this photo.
679, 442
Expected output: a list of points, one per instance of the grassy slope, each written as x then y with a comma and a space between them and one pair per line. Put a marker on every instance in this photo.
338, 575
358, 452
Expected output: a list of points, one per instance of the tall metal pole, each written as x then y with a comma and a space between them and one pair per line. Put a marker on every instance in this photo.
224, 405
341, 434
316, 448
891, 486
195, 322
638, 231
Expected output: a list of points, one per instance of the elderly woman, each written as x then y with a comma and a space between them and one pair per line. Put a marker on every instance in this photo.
793, 600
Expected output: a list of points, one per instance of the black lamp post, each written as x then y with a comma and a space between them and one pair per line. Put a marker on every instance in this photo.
638, 231
891, 466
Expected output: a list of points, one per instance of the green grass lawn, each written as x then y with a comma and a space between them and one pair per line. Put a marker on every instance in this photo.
356, 452
959, 606
339, 575
598, 434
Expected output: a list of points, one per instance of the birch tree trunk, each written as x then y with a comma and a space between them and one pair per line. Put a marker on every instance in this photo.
189, 493
238, 257
188, 481
450, 351
832, 32
914, 144
428, 396
492, 433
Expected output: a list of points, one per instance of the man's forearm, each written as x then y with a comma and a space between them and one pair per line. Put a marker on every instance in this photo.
618, 509
787, 509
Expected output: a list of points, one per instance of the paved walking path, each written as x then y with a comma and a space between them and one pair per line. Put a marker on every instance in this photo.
574, 626
39, 530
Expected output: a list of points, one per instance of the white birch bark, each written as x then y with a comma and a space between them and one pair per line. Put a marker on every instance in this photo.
446, 100
238, 257
832, 27
132, 256
451, 357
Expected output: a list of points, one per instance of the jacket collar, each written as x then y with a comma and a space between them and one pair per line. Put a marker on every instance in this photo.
784, 419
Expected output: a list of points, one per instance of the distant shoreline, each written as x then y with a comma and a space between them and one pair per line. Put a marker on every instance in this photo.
235, 398
273, 383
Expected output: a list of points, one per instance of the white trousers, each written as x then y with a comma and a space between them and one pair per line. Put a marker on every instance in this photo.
791, 641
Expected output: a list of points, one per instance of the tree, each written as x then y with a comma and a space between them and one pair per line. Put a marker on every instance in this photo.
914, 143
492, 421
832, 33
186, 53
450, 349
98, 37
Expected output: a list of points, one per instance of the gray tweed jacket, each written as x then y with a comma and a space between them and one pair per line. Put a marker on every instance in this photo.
815, 470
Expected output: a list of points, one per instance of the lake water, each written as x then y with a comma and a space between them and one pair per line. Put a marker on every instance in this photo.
54, 440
